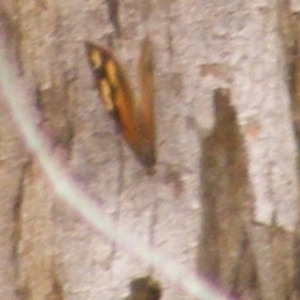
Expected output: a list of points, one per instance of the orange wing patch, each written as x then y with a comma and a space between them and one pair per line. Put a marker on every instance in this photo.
135, 116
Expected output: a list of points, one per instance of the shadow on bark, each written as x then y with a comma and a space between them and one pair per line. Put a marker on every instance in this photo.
225, 255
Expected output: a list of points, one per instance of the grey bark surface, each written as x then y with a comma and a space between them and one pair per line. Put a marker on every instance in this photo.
225, 198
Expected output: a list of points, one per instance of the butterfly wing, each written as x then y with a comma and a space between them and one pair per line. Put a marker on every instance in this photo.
144, 106
135, 117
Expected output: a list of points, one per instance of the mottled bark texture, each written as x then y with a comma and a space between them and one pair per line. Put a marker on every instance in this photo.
224, 199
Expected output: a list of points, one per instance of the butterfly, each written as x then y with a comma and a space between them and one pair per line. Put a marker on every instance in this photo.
134, 115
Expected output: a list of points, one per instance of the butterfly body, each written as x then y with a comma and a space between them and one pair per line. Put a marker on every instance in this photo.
135, 116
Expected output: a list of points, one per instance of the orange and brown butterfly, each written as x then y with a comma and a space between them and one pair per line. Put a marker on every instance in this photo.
134, 115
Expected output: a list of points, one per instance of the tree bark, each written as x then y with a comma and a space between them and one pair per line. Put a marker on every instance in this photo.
224, 200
